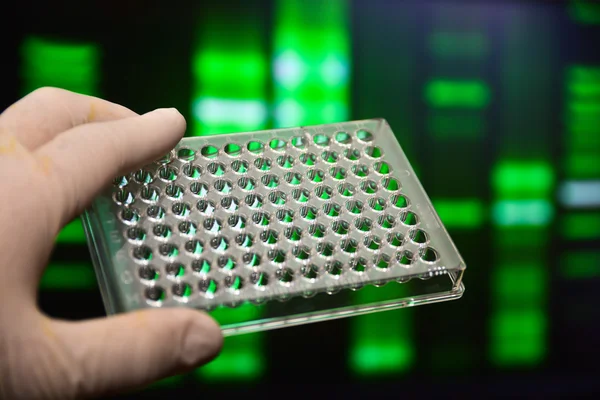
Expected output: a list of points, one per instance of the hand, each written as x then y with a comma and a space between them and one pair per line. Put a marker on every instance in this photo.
57, 151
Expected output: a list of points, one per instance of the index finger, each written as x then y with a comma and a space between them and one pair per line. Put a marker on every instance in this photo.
46, 112
83, 160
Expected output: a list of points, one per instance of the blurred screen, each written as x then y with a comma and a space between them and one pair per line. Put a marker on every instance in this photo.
496, 104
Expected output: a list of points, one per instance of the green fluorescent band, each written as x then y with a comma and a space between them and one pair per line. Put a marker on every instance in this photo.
381, 342
523, 179
460, 213
584, 74
580, 264
581, 226
311, 64
585, 12
292, 112
72, 233
585, 89
217, 67
522, 213
446, 93
518, 337
68, 277
587, 109
215, 115
65, 65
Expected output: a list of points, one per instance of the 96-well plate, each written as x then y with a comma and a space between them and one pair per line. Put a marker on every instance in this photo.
281, 220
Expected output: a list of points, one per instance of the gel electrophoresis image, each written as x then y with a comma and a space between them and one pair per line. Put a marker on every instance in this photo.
496, 105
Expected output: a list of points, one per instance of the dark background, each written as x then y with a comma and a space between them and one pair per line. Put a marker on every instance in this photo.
497, 105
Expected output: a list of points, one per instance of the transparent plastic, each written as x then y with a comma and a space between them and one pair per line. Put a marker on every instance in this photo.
273, 228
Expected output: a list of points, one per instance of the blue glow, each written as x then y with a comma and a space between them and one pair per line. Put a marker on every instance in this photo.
580, 194
522, 213
289, 70
213, 111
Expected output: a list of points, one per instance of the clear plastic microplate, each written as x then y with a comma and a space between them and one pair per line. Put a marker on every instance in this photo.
274, 228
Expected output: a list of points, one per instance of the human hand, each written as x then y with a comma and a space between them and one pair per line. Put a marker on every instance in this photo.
57, 151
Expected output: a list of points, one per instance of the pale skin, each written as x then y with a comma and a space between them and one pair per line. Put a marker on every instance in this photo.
57, 151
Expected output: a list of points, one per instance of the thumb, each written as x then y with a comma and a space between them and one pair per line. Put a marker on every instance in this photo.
132, 350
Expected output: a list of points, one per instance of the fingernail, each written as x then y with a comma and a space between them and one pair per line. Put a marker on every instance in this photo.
170, 110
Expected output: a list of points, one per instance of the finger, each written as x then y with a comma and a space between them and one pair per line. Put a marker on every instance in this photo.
85, 159
133, 350
46, 112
